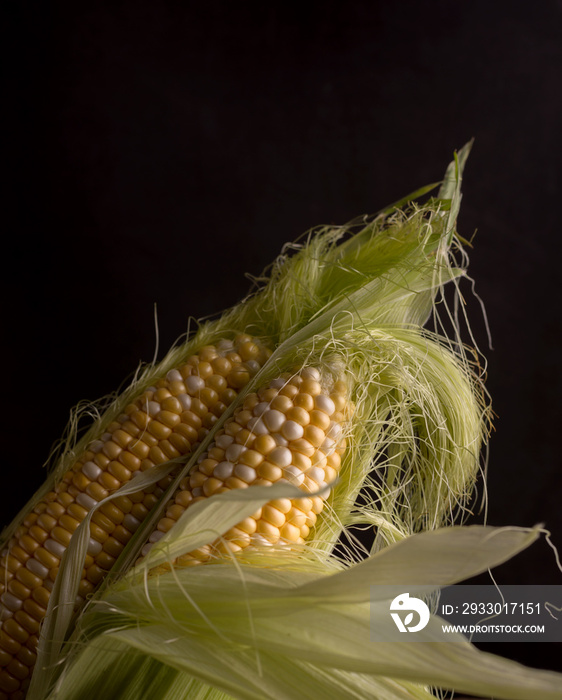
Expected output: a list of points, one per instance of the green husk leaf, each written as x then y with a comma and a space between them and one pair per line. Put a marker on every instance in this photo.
139, 676
261, 632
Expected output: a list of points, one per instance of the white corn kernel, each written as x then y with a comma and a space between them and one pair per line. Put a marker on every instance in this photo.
11, 602
223, 470
174, 376
155, 536
316, 474
37, 568
94, 547
280, 456
273, 419
95, 446
324, 403
194, 384
86, 501
234, 451
258, 426
293, 475
154, 408
246, 473
292, 430
91, 470
334, 431
261, 408
225, 346
54, 547
223, 441
185, 401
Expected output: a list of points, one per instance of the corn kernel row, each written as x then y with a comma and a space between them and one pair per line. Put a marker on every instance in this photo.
289, 430
168, 420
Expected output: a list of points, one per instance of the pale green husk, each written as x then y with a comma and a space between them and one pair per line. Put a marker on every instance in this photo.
290, 626
294, 623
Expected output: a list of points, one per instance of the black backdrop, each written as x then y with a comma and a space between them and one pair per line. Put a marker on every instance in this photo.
157, 151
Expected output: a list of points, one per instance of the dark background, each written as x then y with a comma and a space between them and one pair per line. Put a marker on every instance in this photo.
156, 151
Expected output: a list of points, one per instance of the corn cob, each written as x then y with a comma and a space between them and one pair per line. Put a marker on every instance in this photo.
291, 430
385, 277
166, 421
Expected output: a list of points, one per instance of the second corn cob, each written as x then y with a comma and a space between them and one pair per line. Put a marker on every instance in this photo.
289, 430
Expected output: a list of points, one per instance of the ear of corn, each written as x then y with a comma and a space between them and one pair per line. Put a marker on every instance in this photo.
164, 422
343, 311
